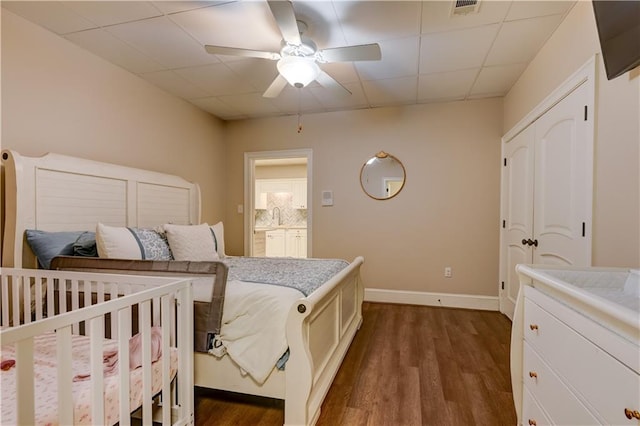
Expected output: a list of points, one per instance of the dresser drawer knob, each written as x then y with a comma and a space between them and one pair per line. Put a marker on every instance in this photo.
533, 327
533, 374
532, 422
632, 414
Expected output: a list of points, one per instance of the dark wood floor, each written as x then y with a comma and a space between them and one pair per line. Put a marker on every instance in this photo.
408, 365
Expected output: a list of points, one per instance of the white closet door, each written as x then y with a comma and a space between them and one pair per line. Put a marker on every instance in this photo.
518, 205
563, 184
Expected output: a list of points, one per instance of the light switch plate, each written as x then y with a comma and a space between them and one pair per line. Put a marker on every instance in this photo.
327, 198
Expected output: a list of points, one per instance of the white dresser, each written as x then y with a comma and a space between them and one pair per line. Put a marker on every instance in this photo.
576, 347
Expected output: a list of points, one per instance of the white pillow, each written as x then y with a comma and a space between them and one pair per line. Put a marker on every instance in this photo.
119, 242
218, 231
191, 242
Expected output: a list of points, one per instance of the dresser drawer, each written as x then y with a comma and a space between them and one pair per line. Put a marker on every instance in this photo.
562, 406
532, 414
607, 386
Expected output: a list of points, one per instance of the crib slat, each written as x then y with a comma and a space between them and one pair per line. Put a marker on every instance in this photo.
167, 400
26, 290
65, 375
114, 318
50, 297
145, 329
15, 293
75, 305
185, 362
62, 295
5, 300
24, 382
124, 324
38, 285
97, 380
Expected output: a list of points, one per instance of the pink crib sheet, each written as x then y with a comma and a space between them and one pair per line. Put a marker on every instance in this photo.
46, 397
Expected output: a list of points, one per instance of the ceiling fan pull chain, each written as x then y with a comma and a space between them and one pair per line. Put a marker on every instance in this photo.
299, 108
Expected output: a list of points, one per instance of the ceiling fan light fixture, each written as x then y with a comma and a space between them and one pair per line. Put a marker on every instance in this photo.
299, 71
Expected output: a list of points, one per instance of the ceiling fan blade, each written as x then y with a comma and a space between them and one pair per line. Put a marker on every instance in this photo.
276, 87
363, 52
235, 51
328, 82
286, 19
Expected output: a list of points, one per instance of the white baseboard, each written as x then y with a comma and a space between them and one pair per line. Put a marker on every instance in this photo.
447, 300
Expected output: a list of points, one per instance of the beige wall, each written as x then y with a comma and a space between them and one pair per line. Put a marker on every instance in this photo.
446, 215
56, 97
616, 214
278, 172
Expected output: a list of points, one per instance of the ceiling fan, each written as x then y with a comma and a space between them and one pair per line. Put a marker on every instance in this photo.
299, 57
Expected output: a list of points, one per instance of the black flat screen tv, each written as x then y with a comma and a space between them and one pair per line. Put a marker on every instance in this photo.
618, 23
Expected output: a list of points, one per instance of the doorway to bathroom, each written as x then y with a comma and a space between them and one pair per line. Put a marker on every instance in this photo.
278, 198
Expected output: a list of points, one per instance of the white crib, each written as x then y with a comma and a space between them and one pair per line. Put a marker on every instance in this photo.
95, 312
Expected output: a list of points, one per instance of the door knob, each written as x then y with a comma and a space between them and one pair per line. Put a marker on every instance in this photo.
524, 242
530, 242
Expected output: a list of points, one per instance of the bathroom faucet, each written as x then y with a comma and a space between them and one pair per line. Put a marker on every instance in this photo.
273, 215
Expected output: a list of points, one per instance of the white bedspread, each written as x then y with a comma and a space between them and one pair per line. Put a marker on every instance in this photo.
253, 325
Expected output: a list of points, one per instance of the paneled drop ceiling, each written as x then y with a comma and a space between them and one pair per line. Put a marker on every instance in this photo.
428, 54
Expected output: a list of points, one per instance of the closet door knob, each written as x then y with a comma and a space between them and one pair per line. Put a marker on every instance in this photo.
534, 243
632, 414
532, 422
533, 374
524, 242
533, 327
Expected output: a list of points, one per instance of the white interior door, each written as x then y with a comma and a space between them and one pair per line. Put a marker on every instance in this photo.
563, 184
517, 195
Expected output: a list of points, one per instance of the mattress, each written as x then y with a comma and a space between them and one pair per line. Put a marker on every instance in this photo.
46, 397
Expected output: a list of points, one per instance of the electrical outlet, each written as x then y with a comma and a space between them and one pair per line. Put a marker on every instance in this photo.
447, 272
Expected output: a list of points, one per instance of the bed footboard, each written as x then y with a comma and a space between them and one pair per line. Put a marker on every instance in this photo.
161, 302
320, 329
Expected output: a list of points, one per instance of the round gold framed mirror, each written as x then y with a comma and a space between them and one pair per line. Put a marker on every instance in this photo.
382, 177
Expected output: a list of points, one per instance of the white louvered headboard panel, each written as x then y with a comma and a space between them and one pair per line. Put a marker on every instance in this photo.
61, 193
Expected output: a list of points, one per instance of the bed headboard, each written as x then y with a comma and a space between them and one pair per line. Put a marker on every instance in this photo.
61, 193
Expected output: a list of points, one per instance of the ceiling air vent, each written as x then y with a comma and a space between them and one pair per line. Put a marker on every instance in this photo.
465, 7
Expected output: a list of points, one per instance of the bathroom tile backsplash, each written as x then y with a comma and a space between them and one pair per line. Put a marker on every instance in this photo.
288, 215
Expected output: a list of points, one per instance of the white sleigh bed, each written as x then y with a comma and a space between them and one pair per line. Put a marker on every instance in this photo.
59, 193
61, 369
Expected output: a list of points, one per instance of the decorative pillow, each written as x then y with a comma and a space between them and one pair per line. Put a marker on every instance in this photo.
218, 233
117, 242
47, 245
192, 242
85, 245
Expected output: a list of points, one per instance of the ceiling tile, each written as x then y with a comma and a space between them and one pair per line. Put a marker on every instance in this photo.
372, 21
343, 72
497, 80
55, 16
436, 15
163, 41
114, 50
175, 84
523, 9
331, 101
518, 41
323, 26
449, 85
248, 25
181, 6
391, 91
105, 13
292, 101
216, 79
218, 108
455, 50
258, 72
399, 59
251, 104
